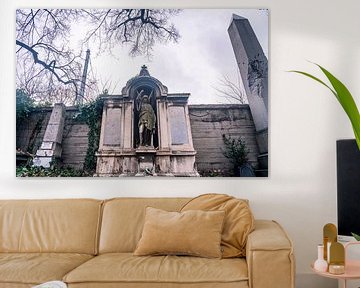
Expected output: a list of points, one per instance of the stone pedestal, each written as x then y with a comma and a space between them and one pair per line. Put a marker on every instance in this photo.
146, 161
50, 148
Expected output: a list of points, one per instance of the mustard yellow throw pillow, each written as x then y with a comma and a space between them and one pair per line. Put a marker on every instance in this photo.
238, 223
193, 232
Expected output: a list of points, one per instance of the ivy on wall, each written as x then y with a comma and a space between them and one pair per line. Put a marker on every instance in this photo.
24, 105
91, 114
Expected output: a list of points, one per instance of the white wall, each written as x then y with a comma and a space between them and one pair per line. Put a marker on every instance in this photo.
305, 121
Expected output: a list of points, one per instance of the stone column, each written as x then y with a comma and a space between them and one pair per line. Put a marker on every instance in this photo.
50, 148
253, 66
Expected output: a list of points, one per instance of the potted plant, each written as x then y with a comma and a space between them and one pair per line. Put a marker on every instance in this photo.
344, 97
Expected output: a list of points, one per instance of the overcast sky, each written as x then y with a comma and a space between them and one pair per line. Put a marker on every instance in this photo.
194, 64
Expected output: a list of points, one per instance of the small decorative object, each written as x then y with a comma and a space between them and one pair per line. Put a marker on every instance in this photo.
328, 251
336, 269
329, 236
320, 264
340, 266
337, 258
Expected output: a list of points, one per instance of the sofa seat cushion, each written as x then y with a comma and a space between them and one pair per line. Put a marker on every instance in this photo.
36, 268
127, 268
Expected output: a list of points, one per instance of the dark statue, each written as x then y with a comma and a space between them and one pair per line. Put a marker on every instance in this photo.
147, 119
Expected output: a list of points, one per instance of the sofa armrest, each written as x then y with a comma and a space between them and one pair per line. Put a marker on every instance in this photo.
269, 256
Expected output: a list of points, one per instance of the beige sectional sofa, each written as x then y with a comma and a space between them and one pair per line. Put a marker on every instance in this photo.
90, 243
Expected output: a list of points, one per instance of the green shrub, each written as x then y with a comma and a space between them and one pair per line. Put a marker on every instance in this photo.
55, 171
235, 151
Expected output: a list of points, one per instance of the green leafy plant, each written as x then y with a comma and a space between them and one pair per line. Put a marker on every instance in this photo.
24, 105
235, 151
356, 236
54, 171
213, 173
344, 97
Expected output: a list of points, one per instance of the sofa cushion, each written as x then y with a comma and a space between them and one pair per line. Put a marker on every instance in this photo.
126, 268
123, 220
36, 268
193, 232
63, 226
239, 220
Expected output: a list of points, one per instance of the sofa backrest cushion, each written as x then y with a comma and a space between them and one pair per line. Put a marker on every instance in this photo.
123, 220
238, 224
66, 226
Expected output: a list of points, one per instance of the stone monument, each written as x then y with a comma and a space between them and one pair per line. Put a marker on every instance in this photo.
146, 131
253, 67
50, 148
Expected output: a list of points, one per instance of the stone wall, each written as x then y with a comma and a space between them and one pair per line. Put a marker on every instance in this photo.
31, 131
75, 141
208, 124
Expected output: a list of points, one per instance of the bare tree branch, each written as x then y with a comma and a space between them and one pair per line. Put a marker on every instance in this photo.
232, 92
46, 61
140, 28
51, 66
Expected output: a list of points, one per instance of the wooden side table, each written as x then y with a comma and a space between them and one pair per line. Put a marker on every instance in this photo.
352, 268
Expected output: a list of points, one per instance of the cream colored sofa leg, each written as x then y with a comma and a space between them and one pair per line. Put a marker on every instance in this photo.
270, 258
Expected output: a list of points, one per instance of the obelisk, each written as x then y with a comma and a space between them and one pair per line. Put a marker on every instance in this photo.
253, 67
